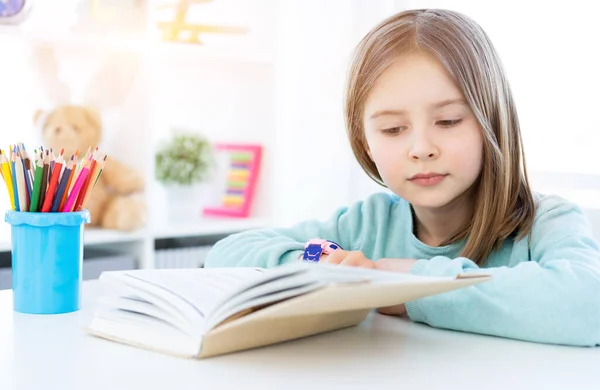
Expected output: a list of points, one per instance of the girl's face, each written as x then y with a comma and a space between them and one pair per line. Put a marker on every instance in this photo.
422, 136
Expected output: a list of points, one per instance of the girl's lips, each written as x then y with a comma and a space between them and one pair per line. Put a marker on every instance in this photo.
427, 180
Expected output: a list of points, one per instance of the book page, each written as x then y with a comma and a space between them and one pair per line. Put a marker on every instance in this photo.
257, 303
143, 331
185, 293
308, 278
136, 305
274, 286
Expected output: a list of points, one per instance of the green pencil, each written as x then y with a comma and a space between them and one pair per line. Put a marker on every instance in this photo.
37, 184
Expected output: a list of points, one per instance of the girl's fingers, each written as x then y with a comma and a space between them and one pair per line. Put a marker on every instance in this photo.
367, 264
335, 257
356, 259
353, 259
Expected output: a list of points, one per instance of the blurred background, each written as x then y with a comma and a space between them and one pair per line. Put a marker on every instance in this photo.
181, 86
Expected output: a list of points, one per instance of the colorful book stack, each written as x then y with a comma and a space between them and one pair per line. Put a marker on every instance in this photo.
237, 179
243, 165
49, 183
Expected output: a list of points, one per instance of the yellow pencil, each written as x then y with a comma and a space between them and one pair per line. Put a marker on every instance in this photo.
7, 178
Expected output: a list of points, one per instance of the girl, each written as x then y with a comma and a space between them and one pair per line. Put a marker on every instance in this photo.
431, 117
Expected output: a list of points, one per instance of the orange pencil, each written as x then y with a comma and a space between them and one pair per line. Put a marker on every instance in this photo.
86, 183
77, 168
58, 164
93, 179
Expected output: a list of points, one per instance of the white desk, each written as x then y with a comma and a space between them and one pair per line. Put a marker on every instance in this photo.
52, 352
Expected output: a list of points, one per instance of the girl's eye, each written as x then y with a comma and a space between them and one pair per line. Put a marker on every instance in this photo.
392, 130
449, 123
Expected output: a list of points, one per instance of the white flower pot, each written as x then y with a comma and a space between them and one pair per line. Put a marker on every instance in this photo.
185, 203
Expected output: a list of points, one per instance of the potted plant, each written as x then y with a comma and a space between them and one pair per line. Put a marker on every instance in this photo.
182, 165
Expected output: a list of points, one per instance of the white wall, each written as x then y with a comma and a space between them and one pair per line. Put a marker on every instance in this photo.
312, 156
223, 100
225, 95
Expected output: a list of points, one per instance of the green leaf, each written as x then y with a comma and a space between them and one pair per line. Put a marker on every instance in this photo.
187, 159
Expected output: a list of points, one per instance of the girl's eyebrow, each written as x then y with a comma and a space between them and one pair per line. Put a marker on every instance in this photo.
437, 105
387, 112
449, 102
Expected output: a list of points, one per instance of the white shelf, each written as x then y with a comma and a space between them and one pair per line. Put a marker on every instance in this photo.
208, 226
171, 51
203, 227
94, 236
190, 52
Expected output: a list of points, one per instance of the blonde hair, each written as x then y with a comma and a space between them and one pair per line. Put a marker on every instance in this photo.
504, 204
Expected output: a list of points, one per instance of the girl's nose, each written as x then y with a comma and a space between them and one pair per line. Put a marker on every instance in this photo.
422, 147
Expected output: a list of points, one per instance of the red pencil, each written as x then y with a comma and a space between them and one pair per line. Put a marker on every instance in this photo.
53, 183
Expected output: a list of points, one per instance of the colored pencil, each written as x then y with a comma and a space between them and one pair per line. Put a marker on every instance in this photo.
27, 166
70, 181
21, 161
52, 159
15, 182
63, 186
95, 175
56, 171
77, 187
46, 172
45, 182
83, 158
86, 183
6, 174
20, 175
37, 185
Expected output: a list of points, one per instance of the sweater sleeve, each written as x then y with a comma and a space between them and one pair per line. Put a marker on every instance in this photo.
272, 247
554, 298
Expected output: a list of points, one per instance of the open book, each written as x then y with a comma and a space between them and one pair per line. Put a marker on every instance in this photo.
211, 311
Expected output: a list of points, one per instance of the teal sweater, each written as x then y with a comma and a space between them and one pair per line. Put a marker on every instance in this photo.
548, 291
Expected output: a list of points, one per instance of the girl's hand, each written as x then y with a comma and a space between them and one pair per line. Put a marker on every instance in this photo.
358, 259
397, 310
349, 258
395, 265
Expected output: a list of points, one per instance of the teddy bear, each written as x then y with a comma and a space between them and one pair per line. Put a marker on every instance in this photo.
114, 202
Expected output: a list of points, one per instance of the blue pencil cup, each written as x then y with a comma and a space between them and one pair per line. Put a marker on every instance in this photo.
47, 257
